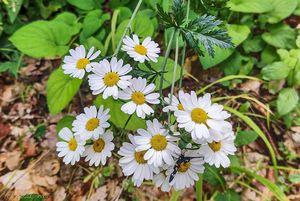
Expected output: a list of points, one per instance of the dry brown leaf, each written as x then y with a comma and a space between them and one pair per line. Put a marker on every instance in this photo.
250, 85
13, 159
99, 195
59, 194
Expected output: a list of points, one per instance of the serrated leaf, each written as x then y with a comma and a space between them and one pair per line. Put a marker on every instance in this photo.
245, 137
238, 33
204, 30
287, 101
168, 76
42, 39
118, 117
61, 88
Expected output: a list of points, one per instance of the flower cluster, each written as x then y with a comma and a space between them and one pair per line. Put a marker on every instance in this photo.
152, 153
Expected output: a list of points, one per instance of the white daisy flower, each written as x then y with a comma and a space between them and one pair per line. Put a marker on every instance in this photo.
79, 62
199, 115
70, 148
148, 50
91, 123
133, 163
217, 148
139, 94
100, 149
187, 172
162, 180
108, 77
175, 104
160, 147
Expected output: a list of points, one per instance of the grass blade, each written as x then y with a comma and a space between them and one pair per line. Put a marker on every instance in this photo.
254, 126
229, 77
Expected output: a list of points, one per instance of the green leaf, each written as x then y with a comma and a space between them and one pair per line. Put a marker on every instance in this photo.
32, 197
40, 131
274, 189
238, 34
287, 101
65, 122
93, 42
253, 6
212, 176
168, 76
281, 10
10, 66
42, 39
297, 10
228, 195
294, 178
61, 89
275, 71
13, 8
280, 36
255, 44
205, 32
92, 22
86, 4
138, 27
118, 117
71, 20
245, 137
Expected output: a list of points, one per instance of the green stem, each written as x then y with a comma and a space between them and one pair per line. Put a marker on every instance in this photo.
128, 26
184, 46
175, 195
165, 62
174, 71
125, 125
199, 190
113, 28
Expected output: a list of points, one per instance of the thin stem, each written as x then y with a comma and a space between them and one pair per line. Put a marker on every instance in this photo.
113, 27
125, 125
165, 62
128, 26
184, 46
199, 191
174, 72
175, 195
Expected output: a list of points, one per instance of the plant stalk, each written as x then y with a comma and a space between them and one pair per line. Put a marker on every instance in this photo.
174, 72
165, 62
128, 26
199, 190
184, 45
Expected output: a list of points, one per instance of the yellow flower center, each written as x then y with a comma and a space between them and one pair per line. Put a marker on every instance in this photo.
180, 106
199, 115
81, 63
139, 157
159, 142
215, 146
92, 124
111, 79
184, 166
72, 144
138, 98
140, 49
99, 145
